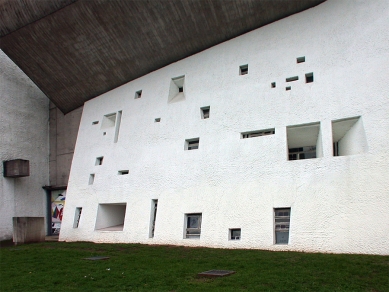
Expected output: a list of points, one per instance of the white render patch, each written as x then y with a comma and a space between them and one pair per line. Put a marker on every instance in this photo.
235, 183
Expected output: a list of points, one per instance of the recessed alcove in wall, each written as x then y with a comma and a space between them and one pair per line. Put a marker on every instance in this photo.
244, 69
77, 217
108, 121
304, 141
176, 91
348, 137
293, 78
205, 111
110, 217
309, 77
138, 94
95, 122
99, 160
192, 144
91, 178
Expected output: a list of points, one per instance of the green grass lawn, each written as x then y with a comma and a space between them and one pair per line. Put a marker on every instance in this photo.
58, 266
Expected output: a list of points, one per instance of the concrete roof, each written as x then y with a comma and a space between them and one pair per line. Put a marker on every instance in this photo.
74, 50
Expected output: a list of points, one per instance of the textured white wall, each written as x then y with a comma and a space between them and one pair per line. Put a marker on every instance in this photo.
24, 113
338, 204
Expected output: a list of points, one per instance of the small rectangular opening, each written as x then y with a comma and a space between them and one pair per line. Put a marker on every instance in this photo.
293, 78
123, 172
259, 133
95, 122
99, 160
77, 217
138, 94
192, 144
244, 69
180, 89
192, 225
157, 120
234, 234
301, 59
91, 178
117, 128
288, 88
281, 225
273, 85
205, 112
309, 77
154, 206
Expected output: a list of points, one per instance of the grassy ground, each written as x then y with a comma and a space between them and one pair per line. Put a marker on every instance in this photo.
54, 266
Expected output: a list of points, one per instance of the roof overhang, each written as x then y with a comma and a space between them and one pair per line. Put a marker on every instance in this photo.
75, 50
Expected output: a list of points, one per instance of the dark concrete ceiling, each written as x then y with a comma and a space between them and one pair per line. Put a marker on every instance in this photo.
75, 50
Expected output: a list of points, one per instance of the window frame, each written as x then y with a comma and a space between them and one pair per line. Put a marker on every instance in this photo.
285, 221
188, 229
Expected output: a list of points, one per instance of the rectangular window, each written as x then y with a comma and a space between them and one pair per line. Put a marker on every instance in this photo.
99, 160
290, 79
348, 137
244, 69
117, 128
235, 234
205, 112
154, 205
91, 178
123, 172
300, 59
77, 217
138, 94
281, 225
192, 144
309, 77
259, 133
192, 225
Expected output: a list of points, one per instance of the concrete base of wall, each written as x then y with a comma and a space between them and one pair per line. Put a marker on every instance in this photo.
28, 229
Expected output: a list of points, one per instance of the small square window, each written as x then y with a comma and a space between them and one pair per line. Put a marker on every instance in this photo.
123, 172
192, 144
180, 89
235, 234
205, 112
244, 69
192, 225
157, 120
138, 94
288, 88
309, 77
281, 225
99, 160
300, 59
273, 85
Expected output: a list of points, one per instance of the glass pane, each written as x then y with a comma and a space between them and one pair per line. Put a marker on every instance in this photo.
282, 237
193, 221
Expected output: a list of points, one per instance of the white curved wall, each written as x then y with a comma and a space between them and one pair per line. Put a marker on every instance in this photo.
24, 133
338, 204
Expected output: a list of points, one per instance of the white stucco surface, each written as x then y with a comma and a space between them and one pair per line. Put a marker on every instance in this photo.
338, 204
23, 135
